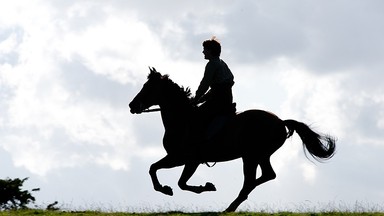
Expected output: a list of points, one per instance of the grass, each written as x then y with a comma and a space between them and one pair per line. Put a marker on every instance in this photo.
304, 209
98, 213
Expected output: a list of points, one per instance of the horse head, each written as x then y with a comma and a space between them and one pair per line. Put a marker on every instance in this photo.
150, 94
160, 90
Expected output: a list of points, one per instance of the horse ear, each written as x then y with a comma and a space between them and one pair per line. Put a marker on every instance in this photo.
152, 69
153, 72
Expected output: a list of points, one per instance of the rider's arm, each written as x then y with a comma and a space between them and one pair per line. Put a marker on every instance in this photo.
206, 81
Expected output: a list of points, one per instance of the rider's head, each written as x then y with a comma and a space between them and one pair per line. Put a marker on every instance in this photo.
213, 46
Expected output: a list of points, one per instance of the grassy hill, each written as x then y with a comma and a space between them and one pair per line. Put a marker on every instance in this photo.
92, 213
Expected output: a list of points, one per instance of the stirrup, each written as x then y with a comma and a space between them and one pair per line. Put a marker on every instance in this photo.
206, 163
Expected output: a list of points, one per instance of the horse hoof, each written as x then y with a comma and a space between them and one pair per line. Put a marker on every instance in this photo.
229, 209
167, 190
210, 187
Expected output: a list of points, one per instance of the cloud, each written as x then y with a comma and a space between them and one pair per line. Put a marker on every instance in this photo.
68, 70
66, 104
329, 38
63, 130
315, 99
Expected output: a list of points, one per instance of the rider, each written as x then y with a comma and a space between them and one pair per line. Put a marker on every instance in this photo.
215, 89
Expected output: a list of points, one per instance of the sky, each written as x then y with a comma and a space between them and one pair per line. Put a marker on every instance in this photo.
68, 70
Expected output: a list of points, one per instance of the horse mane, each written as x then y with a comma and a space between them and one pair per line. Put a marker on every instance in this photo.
181, 92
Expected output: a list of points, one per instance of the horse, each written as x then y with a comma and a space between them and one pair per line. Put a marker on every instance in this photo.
252, 135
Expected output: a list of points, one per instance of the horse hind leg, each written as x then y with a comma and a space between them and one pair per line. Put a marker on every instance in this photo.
250, 181
188, 171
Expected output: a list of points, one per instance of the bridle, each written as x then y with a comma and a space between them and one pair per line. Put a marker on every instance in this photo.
151, 110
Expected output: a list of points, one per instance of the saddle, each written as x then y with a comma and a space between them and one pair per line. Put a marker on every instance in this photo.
205, 128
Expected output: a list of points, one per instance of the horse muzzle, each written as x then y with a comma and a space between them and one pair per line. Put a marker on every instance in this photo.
136, 107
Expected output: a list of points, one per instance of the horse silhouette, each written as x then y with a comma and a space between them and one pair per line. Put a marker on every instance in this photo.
252, 135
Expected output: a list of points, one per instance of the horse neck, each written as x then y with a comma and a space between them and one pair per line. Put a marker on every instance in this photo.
175, 112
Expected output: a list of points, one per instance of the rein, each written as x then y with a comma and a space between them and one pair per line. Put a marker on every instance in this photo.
151, 110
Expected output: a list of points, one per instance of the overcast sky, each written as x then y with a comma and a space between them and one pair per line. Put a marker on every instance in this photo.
68, 70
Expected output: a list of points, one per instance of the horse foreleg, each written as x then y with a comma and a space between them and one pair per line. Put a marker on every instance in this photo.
166, 162
250, 181
188, 171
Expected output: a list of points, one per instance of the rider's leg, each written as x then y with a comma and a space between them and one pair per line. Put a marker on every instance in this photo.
215, 127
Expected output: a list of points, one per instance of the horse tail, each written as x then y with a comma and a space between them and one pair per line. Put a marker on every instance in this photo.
321, 147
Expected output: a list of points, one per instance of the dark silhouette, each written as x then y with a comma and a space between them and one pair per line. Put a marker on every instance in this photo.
253, 135
214, 91
12, 196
